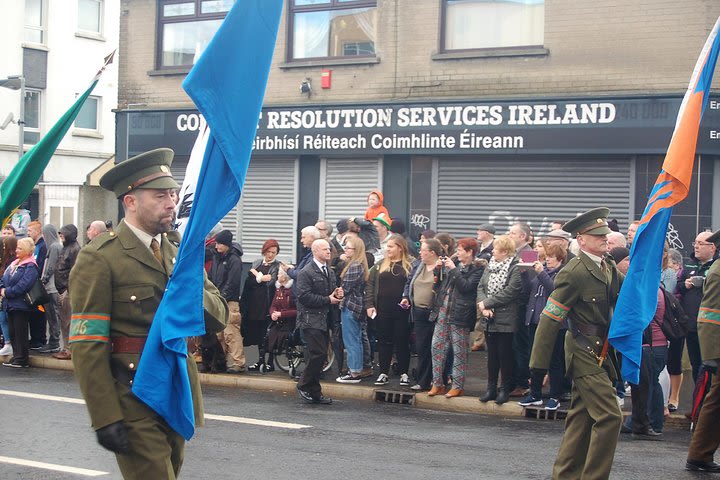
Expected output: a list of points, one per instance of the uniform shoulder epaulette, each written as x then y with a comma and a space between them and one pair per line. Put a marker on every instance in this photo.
174, 237
101, 240
572, 264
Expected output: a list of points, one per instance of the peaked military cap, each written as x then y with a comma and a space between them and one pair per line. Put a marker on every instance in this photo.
592, 222
147, 170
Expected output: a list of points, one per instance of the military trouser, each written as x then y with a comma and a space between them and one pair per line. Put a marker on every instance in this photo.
231, 339
156, 450
706, 439
591, 430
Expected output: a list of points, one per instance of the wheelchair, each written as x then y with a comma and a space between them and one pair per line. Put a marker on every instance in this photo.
290, 356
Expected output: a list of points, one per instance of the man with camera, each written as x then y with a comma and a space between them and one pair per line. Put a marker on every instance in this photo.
690, 288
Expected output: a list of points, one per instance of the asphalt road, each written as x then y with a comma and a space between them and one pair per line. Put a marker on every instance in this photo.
347, 440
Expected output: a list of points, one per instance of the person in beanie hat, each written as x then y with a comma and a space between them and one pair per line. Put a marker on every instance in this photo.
225, 273
225, 237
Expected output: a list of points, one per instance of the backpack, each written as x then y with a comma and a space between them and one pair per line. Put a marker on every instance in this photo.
675, 321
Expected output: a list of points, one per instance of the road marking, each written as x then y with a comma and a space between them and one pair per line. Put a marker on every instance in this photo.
209, 416
253, 421
39, 396
52, 466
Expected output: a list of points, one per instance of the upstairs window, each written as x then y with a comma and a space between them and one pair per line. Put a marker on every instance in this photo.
31, 131
185, 29
87, 118
35, 21
90, 16
332, 29
482, 24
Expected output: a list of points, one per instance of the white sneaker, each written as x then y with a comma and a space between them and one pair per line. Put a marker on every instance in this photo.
404, 380
6, 350
347, 379
382, 379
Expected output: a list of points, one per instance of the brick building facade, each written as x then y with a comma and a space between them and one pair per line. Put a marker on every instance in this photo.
634, 58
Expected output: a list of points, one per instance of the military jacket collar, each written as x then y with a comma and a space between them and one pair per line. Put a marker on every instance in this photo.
593, 267
137, 250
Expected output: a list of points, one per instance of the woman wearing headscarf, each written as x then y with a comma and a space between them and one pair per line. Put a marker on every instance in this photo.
17, 280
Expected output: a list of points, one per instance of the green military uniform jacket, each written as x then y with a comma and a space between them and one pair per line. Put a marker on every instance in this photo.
709, 315
585, 295
115, 288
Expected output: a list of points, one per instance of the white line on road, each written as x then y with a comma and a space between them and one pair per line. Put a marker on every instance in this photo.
252, 421
52, 466
39, 396
209, 416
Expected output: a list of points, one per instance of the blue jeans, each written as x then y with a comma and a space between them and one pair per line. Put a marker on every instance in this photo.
657, 356
5, 326
352, 334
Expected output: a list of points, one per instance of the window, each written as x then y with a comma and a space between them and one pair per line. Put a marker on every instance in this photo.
332, 28
61, 214
90, 16
477, 24
88, 116
31, 132
35, 21
185, 29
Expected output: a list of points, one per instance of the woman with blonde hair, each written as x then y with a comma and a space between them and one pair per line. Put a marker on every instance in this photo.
352, 314
17, 280
497, 296
383, 295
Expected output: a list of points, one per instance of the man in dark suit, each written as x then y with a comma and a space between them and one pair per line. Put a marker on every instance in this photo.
317, 300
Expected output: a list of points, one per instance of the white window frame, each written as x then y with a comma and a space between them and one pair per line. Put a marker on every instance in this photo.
39, 128
42, 27
98, 117
62, 205
101, 21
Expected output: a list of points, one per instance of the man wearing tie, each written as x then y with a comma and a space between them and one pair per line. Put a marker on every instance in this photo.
317, 300
586, 290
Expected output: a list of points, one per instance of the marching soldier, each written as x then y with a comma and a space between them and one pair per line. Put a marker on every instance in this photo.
706, 439
586, 290
116, 286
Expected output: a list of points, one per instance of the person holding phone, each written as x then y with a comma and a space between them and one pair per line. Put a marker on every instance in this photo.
455, 315
383, 301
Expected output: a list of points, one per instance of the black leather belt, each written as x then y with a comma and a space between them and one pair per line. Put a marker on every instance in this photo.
591, 330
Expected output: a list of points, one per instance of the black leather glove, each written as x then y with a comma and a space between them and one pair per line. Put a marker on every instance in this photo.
710, 366
114, 437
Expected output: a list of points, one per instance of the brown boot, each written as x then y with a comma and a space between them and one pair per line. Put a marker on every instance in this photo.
436, 391
454, 392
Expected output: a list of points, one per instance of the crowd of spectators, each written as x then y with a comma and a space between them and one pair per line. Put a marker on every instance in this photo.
436, 300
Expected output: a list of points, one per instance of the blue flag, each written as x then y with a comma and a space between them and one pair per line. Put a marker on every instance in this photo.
227, 85
637, 302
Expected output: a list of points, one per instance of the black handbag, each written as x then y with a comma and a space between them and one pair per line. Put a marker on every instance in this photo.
37, 295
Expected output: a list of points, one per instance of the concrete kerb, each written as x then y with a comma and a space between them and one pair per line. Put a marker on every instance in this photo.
331, 389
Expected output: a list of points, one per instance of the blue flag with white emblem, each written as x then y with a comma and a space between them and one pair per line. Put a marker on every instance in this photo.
227, 85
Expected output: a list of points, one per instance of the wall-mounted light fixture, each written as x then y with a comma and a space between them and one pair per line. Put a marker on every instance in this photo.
306, 87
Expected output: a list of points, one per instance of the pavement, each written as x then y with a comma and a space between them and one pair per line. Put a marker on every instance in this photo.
279, 382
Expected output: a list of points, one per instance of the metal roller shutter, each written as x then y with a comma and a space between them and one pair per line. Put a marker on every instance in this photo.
538, 190
345, 184
268, 207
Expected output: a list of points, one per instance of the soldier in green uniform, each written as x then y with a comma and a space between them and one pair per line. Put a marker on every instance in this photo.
115, 287
586, 290
706, 439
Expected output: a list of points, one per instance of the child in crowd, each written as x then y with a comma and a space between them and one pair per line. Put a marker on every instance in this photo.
375, 206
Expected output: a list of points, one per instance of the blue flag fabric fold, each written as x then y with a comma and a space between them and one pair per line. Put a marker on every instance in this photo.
637, 302
227, 85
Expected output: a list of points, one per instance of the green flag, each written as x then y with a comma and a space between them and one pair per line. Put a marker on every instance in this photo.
19, 184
